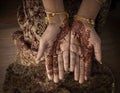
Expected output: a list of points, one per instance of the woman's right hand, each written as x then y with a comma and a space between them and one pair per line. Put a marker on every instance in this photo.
52, 47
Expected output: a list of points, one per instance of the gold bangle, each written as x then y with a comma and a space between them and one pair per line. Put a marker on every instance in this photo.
52, 14
100, 1
89, 21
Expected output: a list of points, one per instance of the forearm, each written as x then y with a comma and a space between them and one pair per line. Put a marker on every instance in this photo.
53, 5
89, 9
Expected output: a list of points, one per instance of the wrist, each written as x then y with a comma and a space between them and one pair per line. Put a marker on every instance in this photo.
84, 20
56, 18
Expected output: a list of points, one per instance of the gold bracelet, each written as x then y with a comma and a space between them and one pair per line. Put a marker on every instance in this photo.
89, 21
52, 14
100, 1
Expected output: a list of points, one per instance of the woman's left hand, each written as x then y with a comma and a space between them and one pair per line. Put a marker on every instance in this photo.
84, 42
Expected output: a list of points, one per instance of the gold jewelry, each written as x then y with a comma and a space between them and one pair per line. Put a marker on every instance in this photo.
81, 58
89, 21
100, 62
100, 1
52, 14
55, 56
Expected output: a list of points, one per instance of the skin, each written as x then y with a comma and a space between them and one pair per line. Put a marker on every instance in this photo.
84, 41
56, 54
54, 43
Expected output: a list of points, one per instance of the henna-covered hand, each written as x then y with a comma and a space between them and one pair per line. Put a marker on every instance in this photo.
84, 42
52, 45
62, 49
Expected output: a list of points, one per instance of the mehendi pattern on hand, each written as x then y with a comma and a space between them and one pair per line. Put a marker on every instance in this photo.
83, 36
56, 49
82, 49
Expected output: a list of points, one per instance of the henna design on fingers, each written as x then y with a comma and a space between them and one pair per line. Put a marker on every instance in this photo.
88, 66
72, 61
83, 36
82, 71
64, 29
55, 65
53, 50
55, 69
77, 68
49, 62
49, 65
60, 66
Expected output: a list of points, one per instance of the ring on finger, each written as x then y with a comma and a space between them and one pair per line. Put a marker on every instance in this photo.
81, 58
55, 56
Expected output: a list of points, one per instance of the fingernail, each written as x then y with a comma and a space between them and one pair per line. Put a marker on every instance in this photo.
66, 69
50, 77
61, 77
80, 81
56, 80
71, 69
76, 79
100, 62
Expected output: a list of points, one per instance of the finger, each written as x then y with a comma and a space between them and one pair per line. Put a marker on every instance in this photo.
97, 50
61, 66
72, 61
41, 50
87, 68
82, 71
55, 69
66, 60
77, 70
49, 66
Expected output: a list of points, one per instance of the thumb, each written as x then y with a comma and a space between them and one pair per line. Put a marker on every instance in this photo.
97, 50
42, 46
